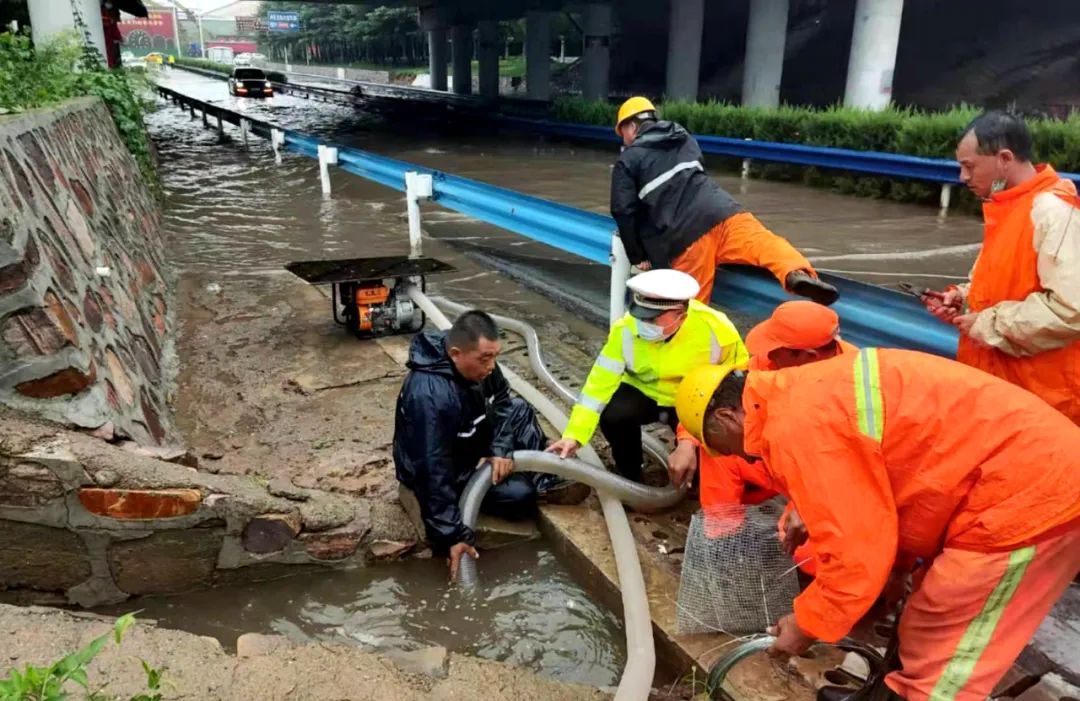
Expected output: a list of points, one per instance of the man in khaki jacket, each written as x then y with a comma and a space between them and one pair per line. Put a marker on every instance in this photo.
1019, 317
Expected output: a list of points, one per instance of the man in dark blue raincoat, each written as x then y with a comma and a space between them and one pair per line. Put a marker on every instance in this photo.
455, 412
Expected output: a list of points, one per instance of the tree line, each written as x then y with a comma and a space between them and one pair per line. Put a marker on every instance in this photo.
377, 34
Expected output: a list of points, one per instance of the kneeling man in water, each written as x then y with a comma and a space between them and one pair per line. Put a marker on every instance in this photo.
454, 413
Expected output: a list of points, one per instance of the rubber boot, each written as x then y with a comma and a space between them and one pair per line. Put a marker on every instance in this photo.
803, 284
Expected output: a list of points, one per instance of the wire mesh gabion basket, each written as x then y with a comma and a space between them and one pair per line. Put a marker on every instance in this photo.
735, 576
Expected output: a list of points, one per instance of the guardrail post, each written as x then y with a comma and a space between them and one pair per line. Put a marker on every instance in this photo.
620, 273
220, 129
205, 119
746, 165
341, 73
277, 142
191, 108
327, 157
946, 197
418, 186
244, 131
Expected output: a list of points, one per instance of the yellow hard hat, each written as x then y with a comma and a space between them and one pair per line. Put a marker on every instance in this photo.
694, 393
632, 108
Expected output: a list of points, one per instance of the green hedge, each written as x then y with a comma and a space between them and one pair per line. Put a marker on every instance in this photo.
202, 63
901, 131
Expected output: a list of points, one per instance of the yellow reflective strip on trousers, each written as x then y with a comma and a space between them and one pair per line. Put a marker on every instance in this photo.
868, 401
981, 629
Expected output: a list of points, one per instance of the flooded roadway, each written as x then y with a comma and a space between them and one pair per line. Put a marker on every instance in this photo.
234, 218
870, 240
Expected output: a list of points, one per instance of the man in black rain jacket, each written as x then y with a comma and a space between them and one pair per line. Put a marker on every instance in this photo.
454, 412
671, 214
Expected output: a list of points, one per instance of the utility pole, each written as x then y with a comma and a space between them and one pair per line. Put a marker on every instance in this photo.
176, 30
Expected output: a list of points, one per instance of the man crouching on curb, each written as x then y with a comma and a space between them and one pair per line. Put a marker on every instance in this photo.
454, 413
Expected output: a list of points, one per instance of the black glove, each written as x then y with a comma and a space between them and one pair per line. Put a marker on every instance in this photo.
803, 284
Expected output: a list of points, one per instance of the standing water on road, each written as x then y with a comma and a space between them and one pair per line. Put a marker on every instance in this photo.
526, 611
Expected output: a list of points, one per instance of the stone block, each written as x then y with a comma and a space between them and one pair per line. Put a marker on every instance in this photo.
335, 544
119, 378
63, 382
326, 513
167, 562
39, 557
92, 311
390, 549
1018, 679
270, 533
1052, 687
1058, 638
140, 503
257, 644
428, 661
60, 316
15, 275
28, 484
32, 332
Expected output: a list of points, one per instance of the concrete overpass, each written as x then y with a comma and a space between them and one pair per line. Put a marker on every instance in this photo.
871, 61
870, 67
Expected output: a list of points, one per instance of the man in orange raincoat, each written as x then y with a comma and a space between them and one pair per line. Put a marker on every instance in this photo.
891, 454
1019, 317
797, 333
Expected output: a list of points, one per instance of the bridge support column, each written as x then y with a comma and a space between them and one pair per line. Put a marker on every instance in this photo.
488, 58
462, 35
538, 55
51, 17
597, 21
766, 35
437, 53
684, 49
873, 53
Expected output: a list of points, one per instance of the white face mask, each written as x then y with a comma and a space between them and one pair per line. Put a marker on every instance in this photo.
653, 332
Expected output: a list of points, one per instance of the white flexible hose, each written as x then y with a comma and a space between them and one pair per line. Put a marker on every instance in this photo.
637, 677
532, 341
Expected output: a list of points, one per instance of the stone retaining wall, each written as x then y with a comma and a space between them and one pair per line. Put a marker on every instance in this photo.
87, 522
84, 305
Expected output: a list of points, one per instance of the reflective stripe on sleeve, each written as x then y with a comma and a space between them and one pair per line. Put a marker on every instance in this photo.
659, 180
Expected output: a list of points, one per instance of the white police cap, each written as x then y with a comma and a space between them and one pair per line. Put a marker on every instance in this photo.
656, 291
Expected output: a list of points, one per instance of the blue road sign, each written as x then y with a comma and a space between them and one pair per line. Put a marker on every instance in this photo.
283, 21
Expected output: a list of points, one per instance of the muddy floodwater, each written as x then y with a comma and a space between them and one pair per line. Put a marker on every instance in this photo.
526, 611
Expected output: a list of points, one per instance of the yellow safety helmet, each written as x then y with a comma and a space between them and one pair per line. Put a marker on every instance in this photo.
632, 108
693, 396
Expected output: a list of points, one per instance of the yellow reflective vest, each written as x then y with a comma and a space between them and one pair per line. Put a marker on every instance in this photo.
654, 367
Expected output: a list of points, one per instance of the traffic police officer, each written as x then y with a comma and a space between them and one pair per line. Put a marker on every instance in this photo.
665, 334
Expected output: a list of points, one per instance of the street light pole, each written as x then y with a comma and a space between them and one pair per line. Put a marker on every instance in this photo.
202, 44
176, 30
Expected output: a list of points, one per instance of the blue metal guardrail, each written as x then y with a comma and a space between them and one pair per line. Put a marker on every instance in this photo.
938, 170
870, 315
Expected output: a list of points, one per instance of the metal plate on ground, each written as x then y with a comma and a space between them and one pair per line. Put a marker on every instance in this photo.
325, 272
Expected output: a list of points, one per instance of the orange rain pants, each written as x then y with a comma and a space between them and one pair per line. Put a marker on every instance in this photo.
1008, 270
910, 455
740, 238
974, 613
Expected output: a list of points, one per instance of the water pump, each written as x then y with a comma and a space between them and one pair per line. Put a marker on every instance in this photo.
367, 295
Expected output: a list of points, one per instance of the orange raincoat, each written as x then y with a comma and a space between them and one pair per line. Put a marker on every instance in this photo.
1026, 288
890, 452
723, 479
